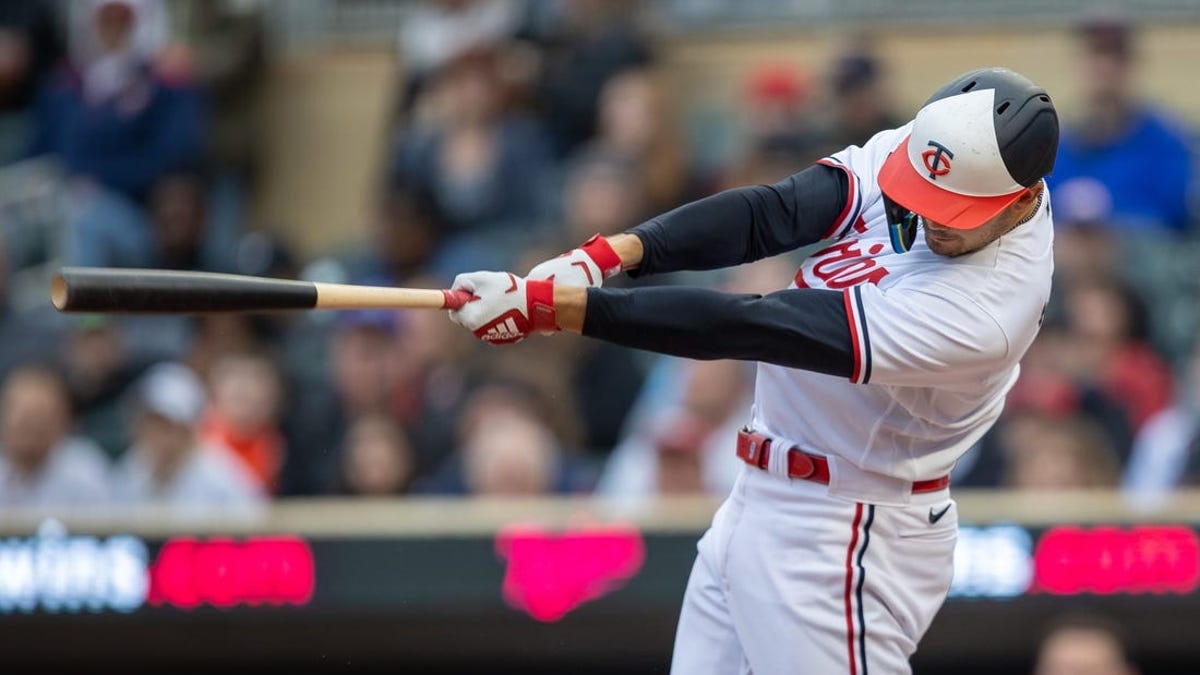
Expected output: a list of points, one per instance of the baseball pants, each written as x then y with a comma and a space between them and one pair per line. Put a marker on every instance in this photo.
790, 579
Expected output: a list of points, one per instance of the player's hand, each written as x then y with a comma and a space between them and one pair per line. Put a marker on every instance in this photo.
589, 265
506, 308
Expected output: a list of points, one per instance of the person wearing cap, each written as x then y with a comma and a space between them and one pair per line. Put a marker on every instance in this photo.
887, 356
859, 100
167, 465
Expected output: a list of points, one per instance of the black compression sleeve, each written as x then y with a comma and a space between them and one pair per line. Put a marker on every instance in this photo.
798, 328
744, 224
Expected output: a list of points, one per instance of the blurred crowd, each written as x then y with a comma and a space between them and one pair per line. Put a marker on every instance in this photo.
520, 128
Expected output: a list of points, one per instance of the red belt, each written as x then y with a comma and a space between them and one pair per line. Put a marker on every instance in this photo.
755, 449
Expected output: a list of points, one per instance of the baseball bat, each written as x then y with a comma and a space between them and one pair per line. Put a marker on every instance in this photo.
139, 291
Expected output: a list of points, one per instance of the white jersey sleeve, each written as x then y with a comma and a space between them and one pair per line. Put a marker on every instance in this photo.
931, 335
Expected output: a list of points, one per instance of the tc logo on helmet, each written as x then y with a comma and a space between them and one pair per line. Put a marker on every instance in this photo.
937, 160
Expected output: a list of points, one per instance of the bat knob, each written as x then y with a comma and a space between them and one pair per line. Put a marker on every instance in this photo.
455, 299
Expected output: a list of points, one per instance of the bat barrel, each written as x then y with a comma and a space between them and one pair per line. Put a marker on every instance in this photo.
77, 289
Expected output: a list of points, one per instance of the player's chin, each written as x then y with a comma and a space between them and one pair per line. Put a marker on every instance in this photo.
946, 246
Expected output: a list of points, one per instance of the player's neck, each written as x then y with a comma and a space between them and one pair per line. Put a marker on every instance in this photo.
1030, 211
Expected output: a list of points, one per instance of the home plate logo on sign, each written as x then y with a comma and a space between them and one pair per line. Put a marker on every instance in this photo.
550, 574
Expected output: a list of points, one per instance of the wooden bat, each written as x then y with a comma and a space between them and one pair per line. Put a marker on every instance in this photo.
138, 291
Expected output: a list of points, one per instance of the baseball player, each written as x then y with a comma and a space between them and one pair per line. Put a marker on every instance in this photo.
883, 361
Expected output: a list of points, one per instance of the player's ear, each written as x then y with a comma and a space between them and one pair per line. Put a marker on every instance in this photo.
1032, 192
1028, 198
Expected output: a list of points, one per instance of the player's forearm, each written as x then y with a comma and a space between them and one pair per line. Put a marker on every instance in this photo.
799, 329
744, 224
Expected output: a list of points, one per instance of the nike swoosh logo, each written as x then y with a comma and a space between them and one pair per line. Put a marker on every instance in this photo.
934, 517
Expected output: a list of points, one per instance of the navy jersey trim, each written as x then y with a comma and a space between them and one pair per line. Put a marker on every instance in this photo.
853, 201
862, 575
866, 335
860, 337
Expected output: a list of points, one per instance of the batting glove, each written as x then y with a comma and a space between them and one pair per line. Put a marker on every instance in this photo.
589, 265
505, 308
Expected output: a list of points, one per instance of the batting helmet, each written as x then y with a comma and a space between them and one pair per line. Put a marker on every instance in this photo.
975, 146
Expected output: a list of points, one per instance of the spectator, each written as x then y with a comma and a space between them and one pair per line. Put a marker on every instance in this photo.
860, 105
377, 458
512, 455
635, 123
179, 213
679, 456
778, 100
438, 31
118, 123
30, 45
101, 373
602, 196
42, 466
1125, 148
1047, 453
168, 465
243, 415
484, 166
217, 335
1084, 645
1166, 453
365, 360
684, 448
1085, 243
405, 231
506, 448
1109, 348
593, 41
229, 46
777, 136
362, 379
778, 96
1047, 389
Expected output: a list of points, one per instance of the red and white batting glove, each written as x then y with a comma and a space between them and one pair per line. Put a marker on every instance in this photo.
589, 265
506, 308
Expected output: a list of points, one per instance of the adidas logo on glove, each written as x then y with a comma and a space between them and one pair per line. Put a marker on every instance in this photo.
505, 331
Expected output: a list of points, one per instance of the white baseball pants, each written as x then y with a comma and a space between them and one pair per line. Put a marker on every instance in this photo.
791, 580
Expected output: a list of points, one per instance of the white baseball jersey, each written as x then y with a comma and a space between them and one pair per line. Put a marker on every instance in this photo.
937, 340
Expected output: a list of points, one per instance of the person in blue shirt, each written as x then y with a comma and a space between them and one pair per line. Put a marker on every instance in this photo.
118, 117
1123, 148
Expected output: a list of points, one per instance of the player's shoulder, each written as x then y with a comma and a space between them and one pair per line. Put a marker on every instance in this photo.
863, 163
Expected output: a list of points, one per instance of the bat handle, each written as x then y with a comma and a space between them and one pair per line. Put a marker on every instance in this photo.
455, 299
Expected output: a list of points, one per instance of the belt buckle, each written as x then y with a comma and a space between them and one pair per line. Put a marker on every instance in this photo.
756, 447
